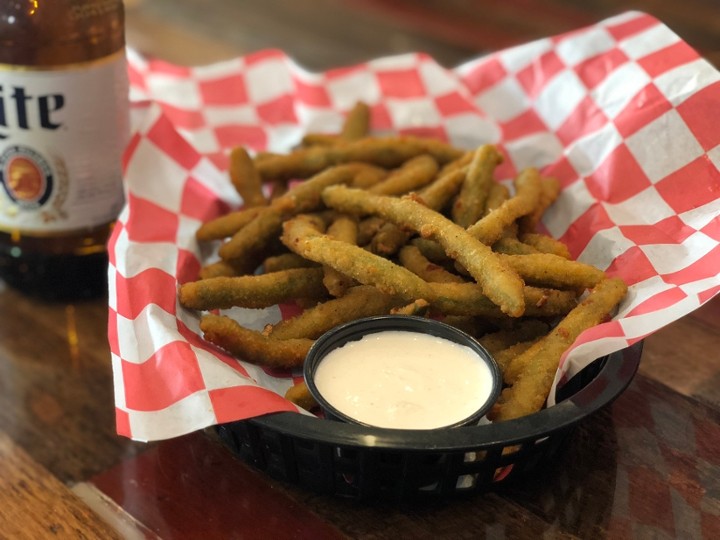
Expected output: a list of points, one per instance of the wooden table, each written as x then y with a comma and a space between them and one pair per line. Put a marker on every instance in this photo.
646, 467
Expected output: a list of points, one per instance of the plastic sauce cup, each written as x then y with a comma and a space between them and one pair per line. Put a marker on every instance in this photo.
402, 372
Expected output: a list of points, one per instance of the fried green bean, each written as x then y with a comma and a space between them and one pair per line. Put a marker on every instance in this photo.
360, 301
357, 122
412, 258
302, 236
469, 205
245, 178
386, 152
285, 261
500, 283
549, 191
489, 229
469, 299
255, 291
300, 395
532, 373
226, 225
545, 244
413, 174
548, 270
345, 229
303, 197
252, 346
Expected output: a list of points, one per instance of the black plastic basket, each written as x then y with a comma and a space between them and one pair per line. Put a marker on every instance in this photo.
358, 462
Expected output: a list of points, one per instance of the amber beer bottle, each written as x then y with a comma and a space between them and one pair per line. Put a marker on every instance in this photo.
63, 128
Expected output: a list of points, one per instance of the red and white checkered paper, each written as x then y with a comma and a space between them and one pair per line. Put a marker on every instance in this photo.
623, 113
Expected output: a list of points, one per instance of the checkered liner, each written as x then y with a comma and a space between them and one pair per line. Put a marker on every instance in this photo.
623, 113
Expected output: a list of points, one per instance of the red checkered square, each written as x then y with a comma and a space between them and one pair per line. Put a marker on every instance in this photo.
668, 58
250, 136
200, 202
228, 90
695, 185
278, 111
628, 28
153, 384
245, 402
405, 83
671, 230
594, 70
149, 222
581, 231
585, 119
484, 75
712, 229
618, 178
311, 94
662, 300
160, 67
633, 266
165, 136
122, 423
150, 286
534, 77
188, 266
525, 124
563, 170
454, 103
113, 337
645, 106
701, 112
183, 118
706, 267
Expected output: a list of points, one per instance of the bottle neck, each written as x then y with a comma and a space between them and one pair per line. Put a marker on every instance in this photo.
60, 32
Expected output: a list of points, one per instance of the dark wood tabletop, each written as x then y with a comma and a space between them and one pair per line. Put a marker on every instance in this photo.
647, 466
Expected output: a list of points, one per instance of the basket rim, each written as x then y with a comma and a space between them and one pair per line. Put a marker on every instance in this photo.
613, 378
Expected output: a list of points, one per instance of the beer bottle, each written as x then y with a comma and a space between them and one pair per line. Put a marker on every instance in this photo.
63, 128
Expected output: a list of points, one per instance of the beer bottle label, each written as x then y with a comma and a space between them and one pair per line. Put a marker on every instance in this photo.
62, 134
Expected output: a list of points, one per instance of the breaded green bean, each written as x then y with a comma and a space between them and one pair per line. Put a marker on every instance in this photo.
412, 258
256, 291
413, 174
303, 237
386, 152
357, 122
389, 239
226, 225
500, 283
509, 245
549, 191
469, 299
545, 244
524, 330
300, 395
489, 229
469, 205
438, 194
360, 301
345, 229
303, 197
548, 270
497, 194
532, 373
285, 261
252, 346
245, 178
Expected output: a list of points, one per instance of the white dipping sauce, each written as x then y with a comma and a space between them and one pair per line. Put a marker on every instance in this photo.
406, 380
